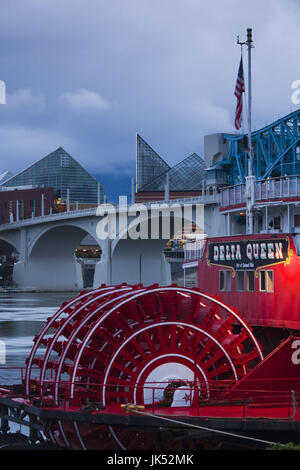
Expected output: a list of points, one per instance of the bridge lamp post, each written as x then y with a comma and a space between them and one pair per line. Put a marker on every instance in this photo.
68, 200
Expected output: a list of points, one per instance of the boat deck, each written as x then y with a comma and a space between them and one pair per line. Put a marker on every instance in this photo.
221, 415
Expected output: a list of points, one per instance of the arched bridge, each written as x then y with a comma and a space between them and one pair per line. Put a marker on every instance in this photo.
131, 241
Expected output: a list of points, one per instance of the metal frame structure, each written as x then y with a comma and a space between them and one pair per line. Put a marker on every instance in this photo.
276, 150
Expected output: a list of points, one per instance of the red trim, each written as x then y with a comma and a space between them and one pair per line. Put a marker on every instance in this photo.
289, 199
149, 196
236, 206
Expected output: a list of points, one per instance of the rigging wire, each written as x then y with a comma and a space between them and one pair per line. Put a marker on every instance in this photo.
136, 409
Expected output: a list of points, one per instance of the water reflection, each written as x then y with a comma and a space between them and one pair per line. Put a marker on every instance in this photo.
22, 316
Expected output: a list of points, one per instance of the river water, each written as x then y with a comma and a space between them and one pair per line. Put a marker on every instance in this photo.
22, 316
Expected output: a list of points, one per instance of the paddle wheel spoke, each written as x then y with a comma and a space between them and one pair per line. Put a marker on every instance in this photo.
130, 358
122, 368
149, 342
184, 337
173, 337
206, 350
137, 346
219, 370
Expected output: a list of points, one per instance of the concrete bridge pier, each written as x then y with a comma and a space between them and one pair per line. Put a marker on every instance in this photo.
51, 263
103, 267
136, 261
49, 274
20, 268
140, 261
48, 262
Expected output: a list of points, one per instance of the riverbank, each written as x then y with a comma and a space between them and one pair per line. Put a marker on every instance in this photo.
16, 290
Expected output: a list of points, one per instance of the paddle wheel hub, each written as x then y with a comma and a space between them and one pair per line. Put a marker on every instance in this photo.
155, 346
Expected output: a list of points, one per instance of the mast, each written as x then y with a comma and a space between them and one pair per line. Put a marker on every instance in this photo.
250, 178
249, 44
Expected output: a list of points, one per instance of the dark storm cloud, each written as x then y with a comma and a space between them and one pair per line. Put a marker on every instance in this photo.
87, 75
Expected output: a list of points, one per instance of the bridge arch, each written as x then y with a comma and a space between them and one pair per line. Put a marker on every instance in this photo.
51, 263
141, 259
9, 255
8, 247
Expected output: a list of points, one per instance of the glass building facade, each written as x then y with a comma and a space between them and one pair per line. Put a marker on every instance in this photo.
62, 172
152, 171
149, 165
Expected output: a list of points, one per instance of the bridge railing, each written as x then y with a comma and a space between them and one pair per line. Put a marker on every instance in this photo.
272, 188
207, 198
50, 217
212, 197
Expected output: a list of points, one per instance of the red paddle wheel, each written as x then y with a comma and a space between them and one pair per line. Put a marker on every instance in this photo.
155, 346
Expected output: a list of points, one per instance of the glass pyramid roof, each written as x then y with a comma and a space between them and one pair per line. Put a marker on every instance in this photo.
60, 171
187, 175
149, 165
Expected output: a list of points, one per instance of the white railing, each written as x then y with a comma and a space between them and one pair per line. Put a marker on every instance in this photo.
207, 198
233, 195
270, 189
49, 218
194, 250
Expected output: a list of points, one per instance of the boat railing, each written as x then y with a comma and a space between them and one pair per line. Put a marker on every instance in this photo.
264, 190
194, 250
196, 397
250, 398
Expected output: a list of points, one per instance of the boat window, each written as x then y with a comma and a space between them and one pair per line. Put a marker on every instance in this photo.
245, 281
277, 223
221, 280
240, 278
270, 281
266, 282
262, 281
297, 220
249, 275
225, 280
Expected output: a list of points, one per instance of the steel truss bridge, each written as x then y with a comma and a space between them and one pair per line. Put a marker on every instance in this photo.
276, 150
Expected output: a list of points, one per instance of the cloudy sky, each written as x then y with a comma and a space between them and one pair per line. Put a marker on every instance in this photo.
88, 74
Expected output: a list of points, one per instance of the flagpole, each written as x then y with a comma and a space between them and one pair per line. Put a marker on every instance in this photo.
250, 177
249, 44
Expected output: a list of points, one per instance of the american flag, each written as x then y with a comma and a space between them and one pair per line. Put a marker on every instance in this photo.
238, 92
